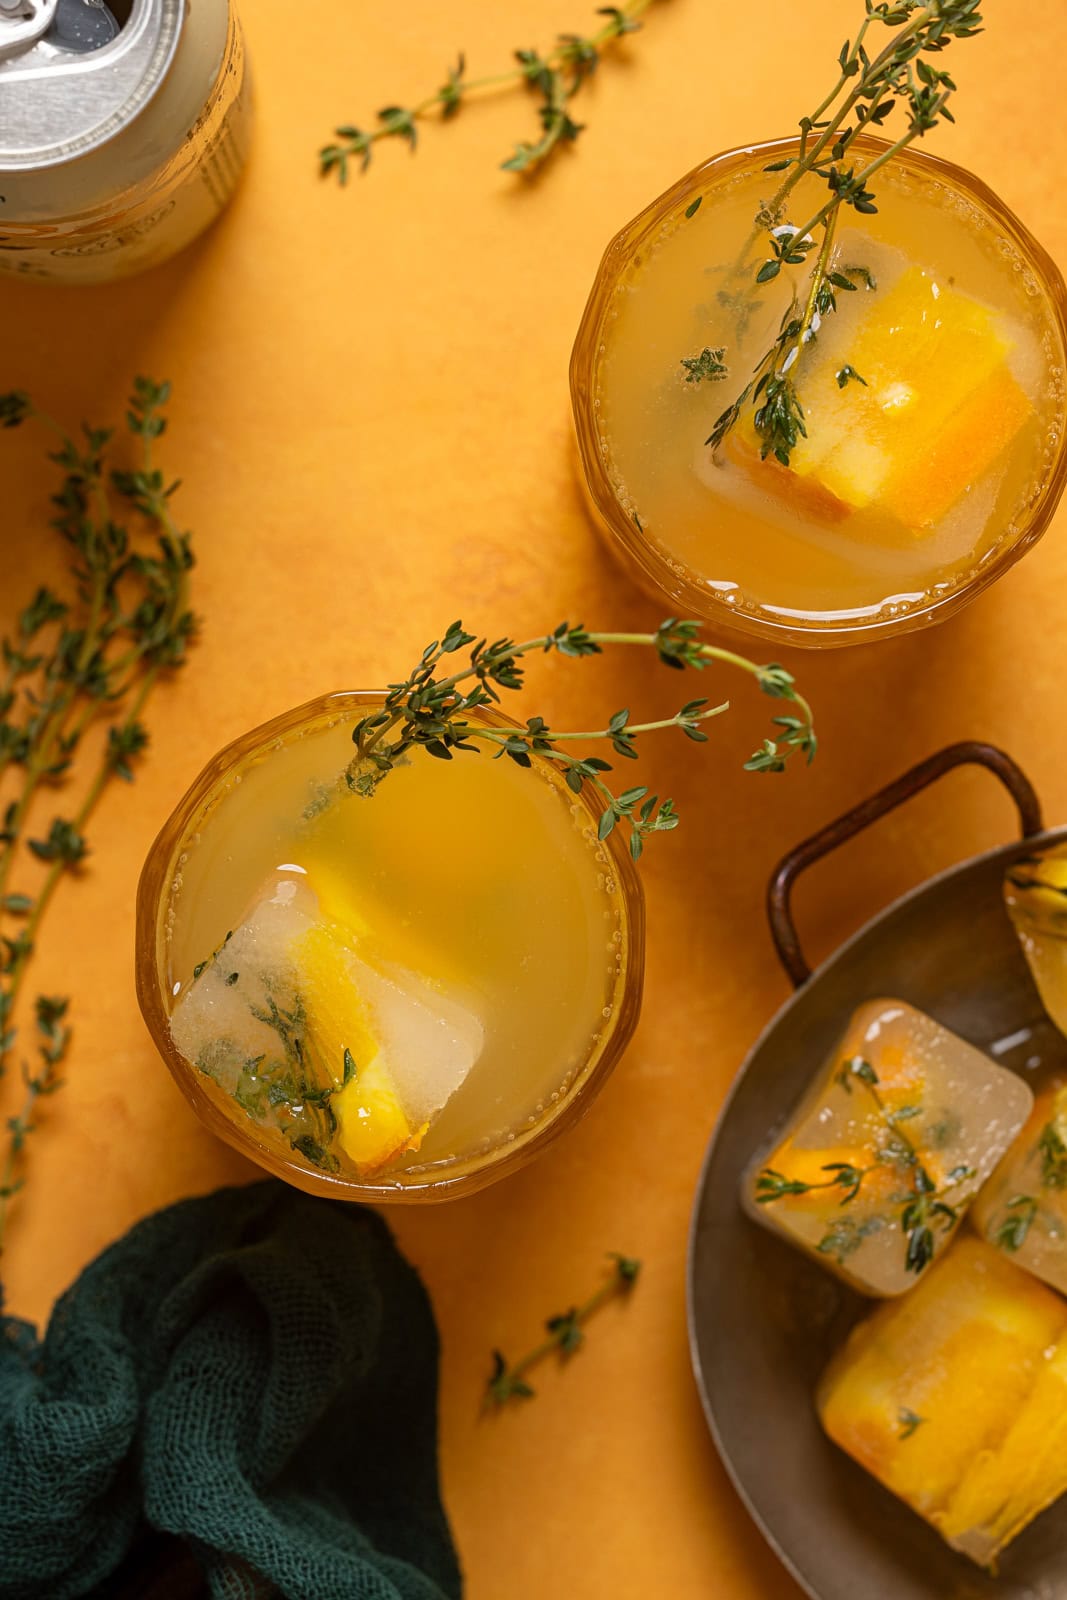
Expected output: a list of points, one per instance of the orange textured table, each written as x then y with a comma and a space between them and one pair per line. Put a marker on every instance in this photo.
370, 415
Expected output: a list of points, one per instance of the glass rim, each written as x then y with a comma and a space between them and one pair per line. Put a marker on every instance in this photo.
663, 576
464, 1176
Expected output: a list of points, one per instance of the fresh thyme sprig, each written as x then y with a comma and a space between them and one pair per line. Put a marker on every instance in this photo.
555, 77
868, 89
565, 1336
921, 1207
75, 660
431, 712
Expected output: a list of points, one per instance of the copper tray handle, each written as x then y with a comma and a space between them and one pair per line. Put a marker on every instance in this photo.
968, 753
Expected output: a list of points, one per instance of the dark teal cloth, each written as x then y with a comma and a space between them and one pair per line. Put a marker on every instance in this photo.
255, 1373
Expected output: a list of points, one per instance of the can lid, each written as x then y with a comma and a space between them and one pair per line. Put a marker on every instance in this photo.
59, 105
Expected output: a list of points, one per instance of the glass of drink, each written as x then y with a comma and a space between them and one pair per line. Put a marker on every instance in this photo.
934, 454
395, 995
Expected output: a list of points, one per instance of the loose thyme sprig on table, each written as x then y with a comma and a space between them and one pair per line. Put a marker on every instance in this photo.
431, 712
922, 1205
868, 89
555, 78
86, 657
565, 1336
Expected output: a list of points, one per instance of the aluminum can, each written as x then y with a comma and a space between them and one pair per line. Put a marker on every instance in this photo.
123, 129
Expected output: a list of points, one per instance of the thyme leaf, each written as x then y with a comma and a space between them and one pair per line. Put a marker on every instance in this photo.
707, 365
909, 1421
1012, 1232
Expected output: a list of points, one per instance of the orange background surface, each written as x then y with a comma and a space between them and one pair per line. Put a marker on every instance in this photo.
371, 421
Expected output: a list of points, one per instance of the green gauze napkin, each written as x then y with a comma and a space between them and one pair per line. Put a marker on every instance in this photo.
244, 1386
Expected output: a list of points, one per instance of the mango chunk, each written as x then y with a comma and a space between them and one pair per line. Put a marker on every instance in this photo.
880, 1161
955, 1398
372, 1127
923, 491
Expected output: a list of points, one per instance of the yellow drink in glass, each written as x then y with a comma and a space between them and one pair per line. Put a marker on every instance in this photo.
402, 995
921, 478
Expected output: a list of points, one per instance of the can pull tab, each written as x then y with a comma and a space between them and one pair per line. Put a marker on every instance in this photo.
22, 23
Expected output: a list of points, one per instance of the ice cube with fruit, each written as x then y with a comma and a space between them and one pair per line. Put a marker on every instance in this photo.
346, 1058
891, 1143
955, 1398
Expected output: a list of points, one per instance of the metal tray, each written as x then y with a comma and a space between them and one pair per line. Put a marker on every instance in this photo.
763, 1319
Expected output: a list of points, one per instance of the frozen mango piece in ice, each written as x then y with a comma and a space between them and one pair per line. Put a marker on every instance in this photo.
899, 1129
410, 1046
344, 1044
341, 1056
921, 492
936, 407
955, 1398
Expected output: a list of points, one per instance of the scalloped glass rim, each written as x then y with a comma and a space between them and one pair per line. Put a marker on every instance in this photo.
652, 566
449, 1181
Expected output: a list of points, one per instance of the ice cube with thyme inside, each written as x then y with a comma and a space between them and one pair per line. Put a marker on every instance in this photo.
886, 1151
1023, 1208
344, 1059
955, 1399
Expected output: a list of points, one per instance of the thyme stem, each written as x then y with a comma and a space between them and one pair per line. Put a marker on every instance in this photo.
565, 1336
432, 712
899, 72
556, 76
94, 655
925, 1205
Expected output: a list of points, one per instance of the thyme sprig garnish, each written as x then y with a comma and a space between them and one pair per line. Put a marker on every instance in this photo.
868, 89
922, 1206
86, 657
566, 1334
430, 711
555, 78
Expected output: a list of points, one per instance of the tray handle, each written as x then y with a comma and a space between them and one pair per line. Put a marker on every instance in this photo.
967, 753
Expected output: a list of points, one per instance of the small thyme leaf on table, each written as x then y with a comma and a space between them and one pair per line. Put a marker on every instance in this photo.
566, 1335
555, 78
87, 657
870, 85
430, 711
